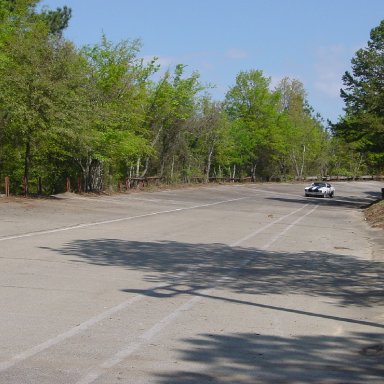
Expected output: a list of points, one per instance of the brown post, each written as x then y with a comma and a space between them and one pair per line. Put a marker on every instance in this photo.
127, 184
79, 184
68, 186
6, 186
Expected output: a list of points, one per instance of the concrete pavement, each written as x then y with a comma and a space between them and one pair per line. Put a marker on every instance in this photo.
222, 284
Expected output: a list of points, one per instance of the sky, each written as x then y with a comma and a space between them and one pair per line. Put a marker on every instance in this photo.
309, 40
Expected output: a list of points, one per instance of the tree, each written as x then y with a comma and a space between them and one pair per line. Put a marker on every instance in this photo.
40, 92
253, 110
26, 84
363, 95
171, 108
117, 94
14, 15
96, 112
57, 20
305, 139
208, 140
38, 103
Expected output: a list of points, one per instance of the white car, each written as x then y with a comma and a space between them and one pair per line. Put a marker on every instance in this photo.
321, 189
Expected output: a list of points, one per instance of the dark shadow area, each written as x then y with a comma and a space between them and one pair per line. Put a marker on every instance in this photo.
352, 202
177, 268
254, 358
374, 194
177, 289
187, 268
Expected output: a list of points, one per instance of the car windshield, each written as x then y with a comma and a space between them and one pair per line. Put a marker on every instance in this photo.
318, 184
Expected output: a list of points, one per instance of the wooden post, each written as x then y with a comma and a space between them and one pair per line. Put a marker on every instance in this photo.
68, 186
79, 184
6, 186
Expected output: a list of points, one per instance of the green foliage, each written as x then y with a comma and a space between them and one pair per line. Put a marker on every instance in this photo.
171, 107
256, 129
363, 95
117, 94
98, 113
57, 20
305, 146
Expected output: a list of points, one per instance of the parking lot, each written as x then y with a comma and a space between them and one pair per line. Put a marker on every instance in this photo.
245, 283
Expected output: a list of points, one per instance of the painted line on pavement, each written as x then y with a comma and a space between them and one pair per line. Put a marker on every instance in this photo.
121, 219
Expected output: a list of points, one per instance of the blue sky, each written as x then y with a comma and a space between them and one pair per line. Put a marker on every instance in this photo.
309, 40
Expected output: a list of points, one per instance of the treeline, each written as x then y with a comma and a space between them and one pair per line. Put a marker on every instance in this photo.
100, 113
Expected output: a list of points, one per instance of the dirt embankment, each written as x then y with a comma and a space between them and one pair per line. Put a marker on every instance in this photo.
375, 214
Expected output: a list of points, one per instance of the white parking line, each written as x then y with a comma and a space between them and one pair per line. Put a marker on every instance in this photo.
142, 339
253, 234
146, 337
66, 335
87, 225
286, 229
127, 199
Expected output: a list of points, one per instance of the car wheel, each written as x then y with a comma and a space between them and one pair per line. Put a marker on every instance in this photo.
331, 194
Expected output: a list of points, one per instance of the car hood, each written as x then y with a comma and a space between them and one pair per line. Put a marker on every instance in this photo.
315, 189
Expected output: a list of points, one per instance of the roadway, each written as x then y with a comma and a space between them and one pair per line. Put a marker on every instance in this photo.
249, 283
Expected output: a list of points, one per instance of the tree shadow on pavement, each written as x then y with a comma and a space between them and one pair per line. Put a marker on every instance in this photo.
253, 358
177, 268
345, 279
351, 202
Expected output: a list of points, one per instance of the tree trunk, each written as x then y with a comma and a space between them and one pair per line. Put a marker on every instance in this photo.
253, 175
85, 168
172, 166
295, 164
27, 159
146, 167
138, 166
96, 176
357, 164
209, 162
27, 166
162, 167
302, 163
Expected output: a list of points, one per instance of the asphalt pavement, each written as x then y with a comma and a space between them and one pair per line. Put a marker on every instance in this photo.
242, 283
